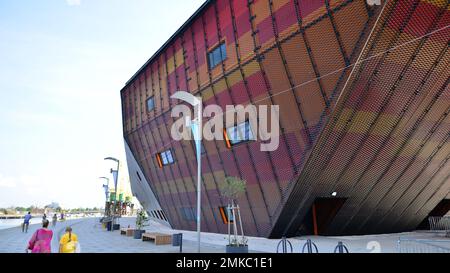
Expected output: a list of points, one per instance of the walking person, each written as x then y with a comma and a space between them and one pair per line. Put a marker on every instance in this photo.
54, 220
44, 217
26, 222
41, 240
69, 242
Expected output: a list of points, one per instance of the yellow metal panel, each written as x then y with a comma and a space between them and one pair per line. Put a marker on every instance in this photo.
361, 122
170, 65
384, 124
209, 181
235, 78
246, 46
261, 9
278, 4
220, 86
189, 185
207, 94
251, 68
179, 57
439, 3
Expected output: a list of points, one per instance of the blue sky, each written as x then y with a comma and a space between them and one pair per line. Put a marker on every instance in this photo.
62, 65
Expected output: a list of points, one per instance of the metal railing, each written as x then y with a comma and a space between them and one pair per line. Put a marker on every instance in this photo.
341, 248
406, 245
284, 243
310, 247
285, 246
439, 223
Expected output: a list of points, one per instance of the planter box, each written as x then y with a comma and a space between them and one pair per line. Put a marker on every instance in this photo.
137, 234
237, 249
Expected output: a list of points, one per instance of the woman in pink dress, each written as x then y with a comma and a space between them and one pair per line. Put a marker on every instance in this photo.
41, 242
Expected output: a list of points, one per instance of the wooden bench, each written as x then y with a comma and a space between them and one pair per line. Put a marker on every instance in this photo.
158, 238
127, 231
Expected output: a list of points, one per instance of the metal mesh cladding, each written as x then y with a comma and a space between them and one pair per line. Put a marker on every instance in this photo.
381, 141
385, 148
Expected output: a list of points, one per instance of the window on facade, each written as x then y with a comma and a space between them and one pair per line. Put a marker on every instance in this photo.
217, 55
238, 134
165, 158
150, 104
188, 214
226, 214
139, 176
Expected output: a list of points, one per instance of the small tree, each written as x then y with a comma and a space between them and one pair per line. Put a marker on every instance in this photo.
141, 219
232, 188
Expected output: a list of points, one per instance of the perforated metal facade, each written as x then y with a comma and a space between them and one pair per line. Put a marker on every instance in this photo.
364, 101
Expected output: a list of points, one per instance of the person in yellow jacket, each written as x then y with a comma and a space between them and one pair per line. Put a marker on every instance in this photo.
69, 242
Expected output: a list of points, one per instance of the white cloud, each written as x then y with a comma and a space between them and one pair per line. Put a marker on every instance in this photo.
73, 2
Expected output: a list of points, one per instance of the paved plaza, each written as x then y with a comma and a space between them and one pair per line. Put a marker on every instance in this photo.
95, 239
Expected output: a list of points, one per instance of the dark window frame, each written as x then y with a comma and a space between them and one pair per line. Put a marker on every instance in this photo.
163, 160
226, 215
221, 47
139, 176
230, 143
152, 98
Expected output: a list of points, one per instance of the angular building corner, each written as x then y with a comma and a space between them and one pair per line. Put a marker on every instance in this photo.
364, 102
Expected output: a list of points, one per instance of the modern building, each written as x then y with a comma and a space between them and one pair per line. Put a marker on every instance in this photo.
364, 116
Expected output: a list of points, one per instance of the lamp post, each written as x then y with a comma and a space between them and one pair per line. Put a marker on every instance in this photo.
106, 187
116, 177
196, 102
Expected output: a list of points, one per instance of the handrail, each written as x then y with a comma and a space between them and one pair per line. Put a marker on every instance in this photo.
341, 248
310, 247
284, 243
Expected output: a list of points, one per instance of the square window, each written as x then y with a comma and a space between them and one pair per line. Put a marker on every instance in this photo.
226, 214
223, 51
169, 157
150, 104
165, 158
217, 55
239, 133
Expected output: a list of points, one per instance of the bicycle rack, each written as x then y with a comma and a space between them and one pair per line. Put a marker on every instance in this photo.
341, 248
310, 247
284, 244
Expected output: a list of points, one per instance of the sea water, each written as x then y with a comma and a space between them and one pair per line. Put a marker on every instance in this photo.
10, 223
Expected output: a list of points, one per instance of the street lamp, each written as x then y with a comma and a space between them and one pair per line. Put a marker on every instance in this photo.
116, 177
196, 126
106, 187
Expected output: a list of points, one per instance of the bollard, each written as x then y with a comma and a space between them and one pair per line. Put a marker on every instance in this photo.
341, 248
177, 240
284, 243
310, 247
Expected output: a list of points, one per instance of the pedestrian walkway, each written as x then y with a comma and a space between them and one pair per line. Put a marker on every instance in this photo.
13, 240
94, 238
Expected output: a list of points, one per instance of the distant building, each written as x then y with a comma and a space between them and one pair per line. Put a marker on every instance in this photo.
53, 206
364, 116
